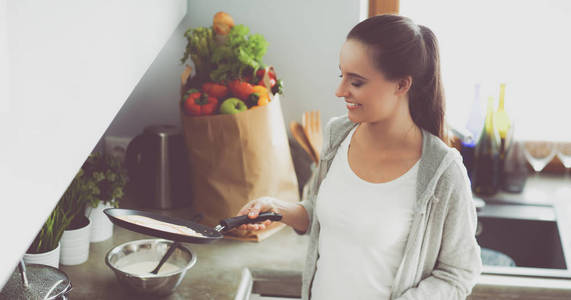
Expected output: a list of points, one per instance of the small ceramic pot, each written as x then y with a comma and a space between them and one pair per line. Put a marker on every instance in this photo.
75, 244
50, 258
101, 226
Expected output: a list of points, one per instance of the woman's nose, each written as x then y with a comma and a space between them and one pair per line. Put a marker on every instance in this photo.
341, 91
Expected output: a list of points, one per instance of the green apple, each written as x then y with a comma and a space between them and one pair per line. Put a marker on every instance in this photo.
232, 106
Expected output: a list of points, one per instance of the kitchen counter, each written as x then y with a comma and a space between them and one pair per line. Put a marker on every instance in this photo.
216, 274
218, 271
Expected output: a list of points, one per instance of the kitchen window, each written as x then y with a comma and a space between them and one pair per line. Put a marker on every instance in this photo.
526, 44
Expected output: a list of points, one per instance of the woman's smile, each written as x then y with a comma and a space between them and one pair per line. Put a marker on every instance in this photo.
353, 106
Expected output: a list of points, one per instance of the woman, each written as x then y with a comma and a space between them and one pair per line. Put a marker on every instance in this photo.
389, 211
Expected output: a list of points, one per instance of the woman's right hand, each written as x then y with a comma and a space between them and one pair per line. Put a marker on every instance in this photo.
254, 208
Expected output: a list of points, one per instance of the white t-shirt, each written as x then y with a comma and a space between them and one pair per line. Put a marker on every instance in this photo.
364, 228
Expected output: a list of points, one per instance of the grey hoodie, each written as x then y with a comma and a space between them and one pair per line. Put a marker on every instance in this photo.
441, 258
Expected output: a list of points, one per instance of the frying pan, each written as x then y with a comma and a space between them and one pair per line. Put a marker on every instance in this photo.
209, 234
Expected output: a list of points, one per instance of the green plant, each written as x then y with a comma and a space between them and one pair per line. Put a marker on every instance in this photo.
74, 200
50, 234
104, 180
238, 56
71, 205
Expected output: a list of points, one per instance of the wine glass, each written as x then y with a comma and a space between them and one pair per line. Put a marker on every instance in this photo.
538, 153
564, 155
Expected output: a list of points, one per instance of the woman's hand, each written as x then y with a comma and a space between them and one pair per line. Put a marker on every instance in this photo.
254, 208
293, 214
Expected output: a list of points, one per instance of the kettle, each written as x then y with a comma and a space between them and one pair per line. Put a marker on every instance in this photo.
158, 170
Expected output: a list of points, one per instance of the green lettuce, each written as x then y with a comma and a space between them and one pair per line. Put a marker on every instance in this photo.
240, 54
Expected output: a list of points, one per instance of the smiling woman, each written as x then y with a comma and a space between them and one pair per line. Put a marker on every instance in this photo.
389, 210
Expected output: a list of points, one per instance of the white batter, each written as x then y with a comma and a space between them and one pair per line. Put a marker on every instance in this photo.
145, 267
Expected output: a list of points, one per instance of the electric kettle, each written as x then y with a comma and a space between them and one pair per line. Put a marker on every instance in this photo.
158, 170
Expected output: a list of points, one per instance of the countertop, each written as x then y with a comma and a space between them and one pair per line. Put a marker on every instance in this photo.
218, 271
216, 274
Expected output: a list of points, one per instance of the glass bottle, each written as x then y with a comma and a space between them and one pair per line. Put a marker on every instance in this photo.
502, 122
476, 118
504, 126
514, 173
486, 157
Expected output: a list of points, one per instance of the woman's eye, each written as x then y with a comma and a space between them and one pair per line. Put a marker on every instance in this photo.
355, 84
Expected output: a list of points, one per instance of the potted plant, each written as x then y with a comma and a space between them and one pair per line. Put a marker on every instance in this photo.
45, 249
105, 180
75, 238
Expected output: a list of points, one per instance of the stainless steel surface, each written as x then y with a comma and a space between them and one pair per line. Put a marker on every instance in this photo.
22, 269
44, 282
527, 234
263, 283
156, 161
149, 250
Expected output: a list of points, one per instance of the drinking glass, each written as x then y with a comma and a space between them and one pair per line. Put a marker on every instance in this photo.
538, 154
564, 155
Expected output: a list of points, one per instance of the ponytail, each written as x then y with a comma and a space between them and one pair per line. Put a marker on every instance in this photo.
401, 48
426, 97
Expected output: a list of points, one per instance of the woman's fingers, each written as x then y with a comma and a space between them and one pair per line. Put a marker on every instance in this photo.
256, 226
255, 210
246, 208
252, 210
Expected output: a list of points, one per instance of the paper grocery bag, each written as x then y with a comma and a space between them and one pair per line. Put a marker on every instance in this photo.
235, 158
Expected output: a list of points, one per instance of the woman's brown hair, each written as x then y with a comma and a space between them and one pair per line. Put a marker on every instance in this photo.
401, 48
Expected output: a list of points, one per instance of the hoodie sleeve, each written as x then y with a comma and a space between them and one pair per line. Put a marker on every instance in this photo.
308, 201
458, 266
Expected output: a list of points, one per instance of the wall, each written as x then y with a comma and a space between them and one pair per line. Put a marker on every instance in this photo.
72, 65
304, 42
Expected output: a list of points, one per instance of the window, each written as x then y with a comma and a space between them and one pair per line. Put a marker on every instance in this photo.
526, 44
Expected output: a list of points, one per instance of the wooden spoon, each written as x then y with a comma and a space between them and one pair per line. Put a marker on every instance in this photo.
299, 135
311, 124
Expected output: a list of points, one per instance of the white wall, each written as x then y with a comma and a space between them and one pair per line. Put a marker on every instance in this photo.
304, 38
4, 60
73, 64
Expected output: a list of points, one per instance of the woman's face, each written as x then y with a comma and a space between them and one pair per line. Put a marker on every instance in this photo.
369, 96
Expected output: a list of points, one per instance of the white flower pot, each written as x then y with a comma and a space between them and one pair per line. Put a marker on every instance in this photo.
50, 258
75, 245
101, 226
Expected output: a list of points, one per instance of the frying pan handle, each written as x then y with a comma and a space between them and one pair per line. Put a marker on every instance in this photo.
237, 221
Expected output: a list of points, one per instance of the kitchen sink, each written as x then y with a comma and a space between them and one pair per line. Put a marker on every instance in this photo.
526, 236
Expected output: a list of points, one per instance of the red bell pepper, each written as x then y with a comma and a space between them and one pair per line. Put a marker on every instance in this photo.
216, 90
240, 89
200, 104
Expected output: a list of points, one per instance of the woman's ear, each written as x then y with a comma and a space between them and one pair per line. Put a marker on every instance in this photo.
403, 85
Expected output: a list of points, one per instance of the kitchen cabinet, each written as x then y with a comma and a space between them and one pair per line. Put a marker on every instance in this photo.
72, 65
